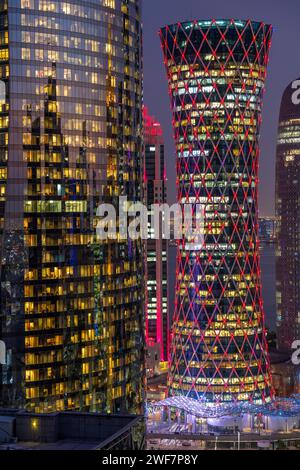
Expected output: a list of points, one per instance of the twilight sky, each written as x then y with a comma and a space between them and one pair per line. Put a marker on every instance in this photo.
284, 67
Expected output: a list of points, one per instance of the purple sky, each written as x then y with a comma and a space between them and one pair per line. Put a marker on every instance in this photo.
283, 68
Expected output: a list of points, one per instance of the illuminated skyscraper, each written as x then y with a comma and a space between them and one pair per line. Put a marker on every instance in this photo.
70, 137
157, 327
216, 72
288, 218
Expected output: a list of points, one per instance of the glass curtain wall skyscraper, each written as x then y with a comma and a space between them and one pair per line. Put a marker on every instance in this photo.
70, 138
288, 218
157, 328
216, 72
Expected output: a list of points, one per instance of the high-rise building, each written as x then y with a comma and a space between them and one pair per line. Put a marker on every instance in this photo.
288, 218
157, 325
70, 138
267, 229
216, 72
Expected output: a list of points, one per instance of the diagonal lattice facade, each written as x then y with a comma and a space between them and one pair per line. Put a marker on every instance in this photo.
216, 72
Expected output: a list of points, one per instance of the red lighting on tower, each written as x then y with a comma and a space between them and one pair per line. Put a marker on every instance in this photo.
216, 71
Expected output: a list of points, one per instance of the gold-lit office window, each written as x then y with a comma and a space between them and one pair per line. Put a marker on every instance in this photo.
109, 3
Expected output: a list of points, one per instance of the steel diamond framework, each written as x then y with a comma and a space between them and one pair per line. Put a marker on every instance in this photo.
216, 72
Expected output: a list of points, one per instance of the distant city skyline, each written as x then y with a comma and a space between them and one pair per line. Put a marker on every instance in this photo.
283, 68
156, 308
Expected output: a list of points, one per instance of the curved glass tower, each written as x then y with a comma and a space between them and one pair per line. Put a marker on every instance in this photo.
216, 73
70, 138
288, 218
